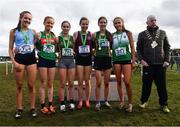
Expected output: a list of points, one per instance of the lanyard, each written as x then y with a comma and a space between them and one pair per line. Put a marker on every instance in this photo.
99, 42
25, 36
119, 39
99, 38
83, 39
66, 45
47, 38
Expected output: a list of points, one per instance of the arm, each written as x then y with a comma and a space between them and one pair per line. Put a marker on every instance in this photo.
139, 49
57, 49
74, 39
166, 49
17, 66
36, 37
93, 43
11, 46
75, 36
132, 49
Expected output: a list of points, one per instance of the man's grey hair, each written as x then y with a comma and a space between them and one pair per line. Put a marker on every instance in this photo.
151, 17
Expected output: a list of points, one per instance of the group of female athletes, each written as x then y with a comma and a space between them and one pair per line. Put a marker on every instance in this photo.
74, 54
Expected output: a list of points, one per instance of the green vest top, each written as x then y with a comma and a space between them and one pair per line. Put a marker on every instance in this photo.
66, 47
120, 47
102, 43
46, 49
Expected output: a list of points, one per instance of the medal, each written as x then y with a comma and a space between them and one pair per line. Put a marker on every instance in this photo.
154, 44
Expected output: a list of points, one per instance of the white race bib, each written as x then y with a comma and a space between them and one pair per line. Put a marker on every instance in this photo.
84, 49
67, 52
26, 48
104, 43
120, 51
49, 48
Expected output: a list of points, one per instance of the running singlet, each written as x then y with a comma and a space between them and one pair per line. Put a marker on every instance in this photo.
102, 45
24, 41
83, 44
66, 46
120, 47
46, 48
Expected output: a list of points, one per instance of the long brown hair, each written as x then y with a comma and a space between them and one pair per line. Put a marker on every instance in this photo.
83, 18
123, 27
20, 17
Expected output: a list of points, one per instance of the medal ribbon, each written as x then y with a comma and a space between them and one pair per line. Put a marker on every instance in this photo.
66, 45
48, 37
25, 36
83, 39
119, 39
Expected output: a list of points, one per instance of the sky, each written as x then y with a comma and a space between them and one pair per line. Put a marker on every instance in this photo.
134, 13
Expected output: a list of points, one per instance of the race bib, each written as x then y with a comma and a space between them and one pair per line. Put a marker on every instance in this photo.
104, 43
26, 48
67, 52
49, 48
84, 49
120, 51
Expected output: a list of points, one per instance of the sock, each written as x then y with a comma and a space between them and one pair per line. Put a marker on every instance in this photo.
43, 105
71, 101
50, 103
97, 102
20, 110
62, 103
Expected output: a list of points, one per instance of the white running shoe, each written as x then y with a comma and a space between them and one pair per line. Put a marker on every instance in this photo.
62, 108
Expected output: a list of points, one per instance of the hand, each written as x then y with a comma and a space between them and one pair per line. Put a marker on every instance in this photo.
133, 65
17, 66
144, 63
165, 64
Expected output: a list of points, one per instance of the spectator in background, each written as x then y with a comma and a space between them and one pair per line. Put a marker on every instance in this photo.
172, 60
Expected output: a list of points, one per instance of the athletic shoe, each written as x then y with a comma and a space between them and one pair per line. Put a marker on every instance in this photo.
52, 109
45, 110
80, 105
33, 113
165, 109
143, 105
98, 107
62, 108
87, 104
71, 106
129, 109
121, 106
18, 114
108, 105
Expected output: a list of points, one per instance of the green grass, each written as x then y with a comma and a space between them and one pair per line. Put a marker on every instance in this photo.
150, 116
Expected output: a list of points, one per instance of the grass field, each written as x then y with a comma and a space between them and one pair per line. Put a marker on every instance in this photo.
152, 116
